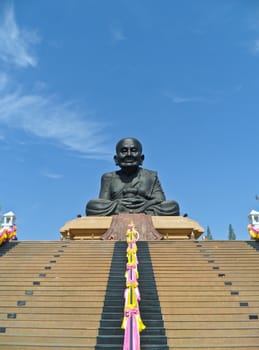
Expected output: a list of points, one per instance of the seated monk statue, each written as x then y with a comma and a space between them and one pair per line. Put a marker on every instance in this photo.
132, 189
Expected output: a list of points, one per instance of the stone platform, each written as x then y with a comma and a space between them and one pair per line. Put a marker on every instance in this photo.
114, 227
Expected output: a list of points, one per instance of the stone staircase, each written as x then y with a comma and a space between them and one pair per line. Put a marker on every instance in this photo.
68, 295
209, 293
52, 294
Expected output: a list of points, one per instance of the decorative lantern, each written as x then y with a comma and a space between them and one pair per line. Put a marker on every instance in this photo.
9, 220
8, 229
253, 227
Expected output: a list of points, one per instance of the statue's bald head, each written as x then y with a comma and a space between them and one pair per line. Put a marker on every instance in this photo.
129, 153
129, 140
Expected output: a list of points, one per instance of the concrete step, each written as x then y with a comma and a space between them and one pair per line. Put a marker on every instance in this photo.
51, 341
209, 342
207, 299
199, 311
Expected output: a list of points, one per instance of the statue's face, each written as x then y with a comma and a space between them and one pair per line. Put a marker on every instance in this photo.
129, 153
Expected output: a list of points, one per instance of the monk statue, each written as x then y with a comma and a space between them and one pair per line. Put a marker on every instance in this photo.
132, 189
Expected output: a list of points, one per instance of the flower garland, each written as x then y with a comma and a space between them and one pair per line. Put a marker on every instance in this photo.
132, 323
7, 234
253, 231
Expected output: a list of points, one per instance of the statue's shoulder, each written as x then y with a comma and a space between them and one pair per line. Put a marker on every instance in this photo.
147, 172
109, 175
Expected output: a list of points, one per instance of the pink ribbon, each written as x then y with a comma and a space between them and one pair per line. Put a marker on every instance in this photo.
130, 267
131, 276
135, 291
252, 228
131, 334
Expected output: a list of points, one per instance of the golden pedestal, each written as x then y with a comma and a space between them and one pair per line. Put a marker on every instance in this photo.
114, 227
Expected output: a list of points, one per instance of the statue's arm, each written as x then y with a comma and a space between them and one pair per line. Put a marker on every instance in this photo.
105, 191
157, 192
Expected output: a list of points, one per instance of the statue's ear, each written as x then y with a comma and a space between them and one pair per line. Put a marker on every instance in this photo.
116, 160
142, 159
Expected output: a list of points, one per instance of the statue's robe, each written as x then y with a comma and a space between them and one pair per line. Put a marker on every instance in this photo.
139, 193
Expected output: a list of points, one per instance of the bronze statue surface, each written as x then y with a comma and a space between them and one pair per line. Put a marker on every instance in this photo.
132, 189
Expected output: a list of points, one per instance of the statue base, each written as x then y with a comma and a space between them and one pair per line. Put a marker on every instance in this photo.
114, 227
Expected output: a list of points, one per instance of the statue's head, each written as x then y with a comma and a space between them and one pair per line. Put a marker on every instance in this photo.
129, 153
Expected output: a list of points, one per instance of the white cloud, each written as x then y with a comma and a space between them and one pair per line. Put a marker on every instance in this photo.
37, 113
181, 99
117, 34
212, 98
46, 117
15, 43
256, 46
51, 175
178, 99
3, 81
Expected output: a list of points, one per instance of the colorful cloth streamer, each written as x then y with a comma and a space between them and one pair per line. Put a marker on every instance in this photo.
132, 257
132, 297
253, 231
132, 234
131, 273
132, 323
7, 234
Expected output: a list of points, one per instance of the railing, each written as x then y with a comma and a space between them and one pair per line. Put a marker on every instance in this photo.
132, 323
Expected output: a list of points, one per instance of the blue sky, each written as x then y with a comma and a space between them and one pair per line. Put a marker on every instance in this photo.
77, 76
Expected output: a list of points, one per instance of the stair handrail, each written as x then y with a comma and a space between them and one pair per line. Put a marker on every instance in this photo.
132, 322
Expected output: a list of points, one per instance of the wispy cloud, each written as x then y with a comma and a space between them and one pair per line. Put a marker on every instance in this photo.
46, 117
36, 112
252, 24
51, 175
214, 97
15, 43
178, 99
186, 99
117, 33
3, 80
256, 47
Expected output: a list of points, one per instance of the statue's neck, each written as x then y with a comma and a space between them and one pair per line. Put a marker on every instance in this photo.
130, 171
